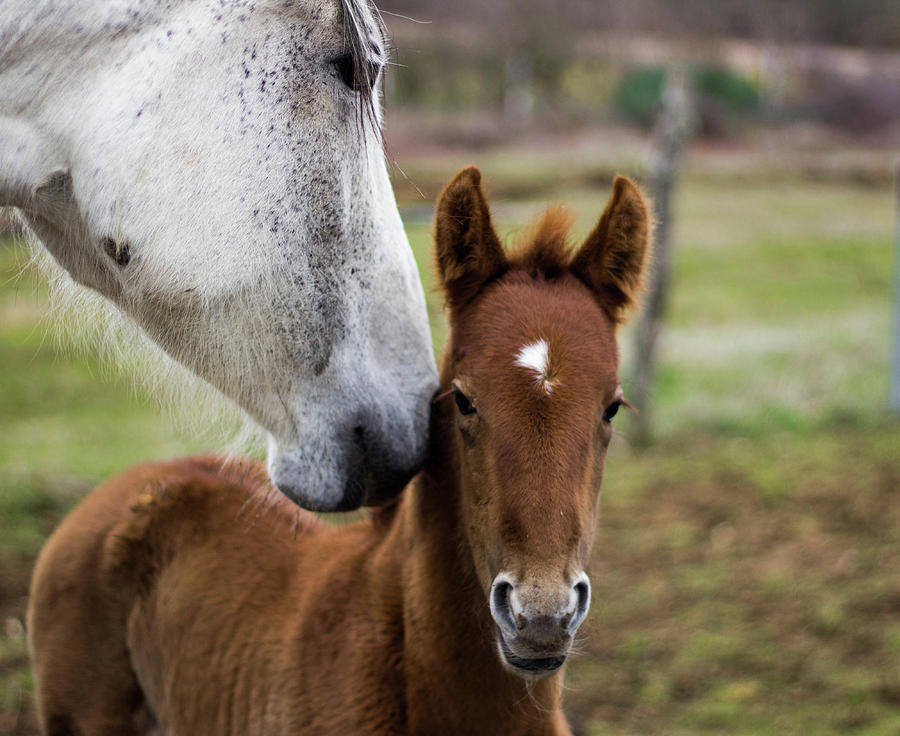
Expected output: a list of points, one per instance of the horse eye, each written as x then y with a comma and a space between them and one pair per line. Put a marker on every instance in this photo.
462, 403
611, 410
346, 69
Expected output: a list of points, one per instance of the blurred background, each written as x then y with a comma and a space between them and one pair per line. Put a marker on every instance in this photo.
747, 564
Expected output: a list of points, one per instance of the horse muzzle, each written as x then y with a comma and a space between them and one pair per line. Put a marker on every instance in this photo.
366, 460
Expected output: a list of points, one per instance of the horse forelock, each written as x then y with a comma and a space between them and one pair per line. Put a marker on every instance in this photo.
362, 21
545, 248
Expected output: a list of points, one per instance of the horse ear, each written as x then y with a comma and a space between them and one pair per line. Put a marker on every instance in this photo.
611, 261
469, 253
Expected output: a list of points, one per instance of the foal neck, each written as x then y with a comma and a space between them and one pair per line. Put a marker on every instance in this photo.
455, 680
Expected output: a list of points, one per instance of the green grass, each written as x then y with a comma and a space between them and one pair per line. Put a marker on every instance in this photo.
745, 569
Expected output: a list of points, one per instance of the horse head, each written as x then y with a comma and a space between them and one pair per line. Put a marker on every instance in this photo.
532, 370
215, 170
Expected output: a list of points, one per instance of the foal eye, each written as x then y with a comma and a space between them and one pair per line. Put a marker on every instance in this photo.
611, 410
462, 403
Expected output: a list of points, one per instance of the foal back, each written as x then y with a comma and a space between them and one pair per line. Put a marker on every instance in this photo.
180, 572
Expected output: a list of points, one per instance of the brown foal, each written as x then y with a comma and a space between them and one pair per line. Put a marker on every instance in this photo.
160, 605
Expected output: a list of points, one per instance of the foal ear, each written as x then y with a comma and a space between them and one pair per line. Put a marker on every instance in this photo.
612, 259
469, 253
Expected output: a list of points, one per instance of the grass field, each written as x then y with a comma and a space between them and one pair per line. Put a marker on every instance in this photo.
746, 568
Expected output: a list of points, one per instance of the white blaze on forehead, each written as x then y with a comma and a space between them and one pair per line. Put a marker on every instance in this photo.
535, 358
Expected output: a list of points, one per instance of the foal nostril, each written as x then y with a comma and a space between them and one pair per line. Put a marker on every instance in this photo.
500, 608
582, 590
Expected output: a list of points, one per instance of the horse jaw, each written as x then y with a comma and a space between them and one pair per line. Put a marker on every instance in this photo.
266, 255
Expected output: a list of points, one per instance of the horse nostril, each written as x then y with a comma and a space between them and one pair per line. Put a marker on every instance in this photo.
359, 436
500, 608
582, 588
583, 591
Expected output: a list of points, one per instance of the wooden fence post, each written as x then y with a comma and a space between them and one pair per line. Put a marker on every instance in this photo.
672, 130
894, 392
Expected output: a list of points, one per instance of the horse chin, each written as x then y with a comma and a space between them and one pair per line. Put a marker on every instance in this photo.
338, 477
529, 668
387, 487
327, 495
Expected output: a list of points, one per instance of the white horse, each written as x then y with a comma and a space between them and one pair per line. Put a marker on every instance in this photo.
214, 168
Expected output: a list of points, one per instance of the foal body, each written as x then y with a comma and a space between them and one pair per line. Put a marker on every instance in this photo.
168, 600
372, 628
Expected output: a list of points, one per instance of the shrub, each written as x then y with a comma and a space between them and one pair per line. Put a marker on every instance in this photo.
640, 94
722, 97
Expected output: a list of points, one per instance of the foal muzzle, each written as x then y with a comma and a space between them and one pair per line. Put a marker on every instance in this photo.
536, 622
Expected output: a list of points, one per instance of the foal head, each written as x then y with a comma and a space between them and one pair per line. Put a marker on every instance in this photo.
532, 370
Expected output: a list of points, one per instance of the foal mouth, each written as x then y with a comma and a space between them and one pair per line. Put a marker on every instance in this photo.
531, 668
